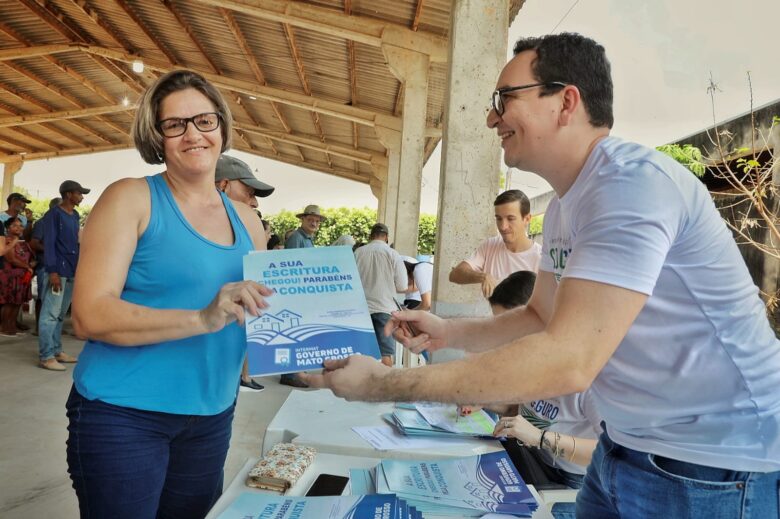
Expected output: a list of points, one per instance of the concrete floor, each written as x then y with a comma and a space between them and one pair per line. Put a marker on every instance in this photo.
34, 481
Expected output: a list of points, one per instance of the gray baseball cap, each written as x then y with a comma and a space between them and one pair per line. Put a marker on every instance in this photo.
231, 168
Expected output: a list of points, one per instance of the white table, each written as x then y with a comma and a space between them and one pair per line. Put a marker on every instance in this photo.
321, 420
327, 464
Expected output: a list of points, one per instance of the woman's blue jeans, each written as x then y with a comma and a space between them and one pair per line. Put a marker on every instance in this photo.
133, 464
625, 483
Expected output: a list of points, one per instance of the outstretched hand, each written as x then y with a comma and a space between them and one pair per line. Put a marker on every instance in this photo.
231, 300
352, 378
418, 330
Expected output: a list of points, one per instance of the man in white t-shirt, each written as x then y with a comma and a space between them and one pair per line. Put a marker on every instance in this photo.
642, 296
511, 251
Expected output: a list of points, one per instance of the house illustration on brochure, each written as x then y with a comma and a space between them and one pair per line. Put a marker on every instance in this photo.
282, 320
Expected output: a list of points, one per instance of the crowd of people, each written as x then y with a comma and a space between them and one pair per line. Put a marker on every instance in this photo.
616, 362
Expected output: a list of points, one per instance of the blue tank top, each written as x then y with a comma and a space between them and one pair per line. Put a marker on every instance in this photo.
173, 267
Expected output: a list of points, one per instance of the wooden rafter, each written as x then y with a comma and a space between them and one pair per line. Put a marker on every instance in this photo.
13, 157
19, 144
65, 95
141, 25
254, 123
31, 135
49, 126
319, 166
25, 97
362, 29
256, 71
417, 14
23, 120
288, 32
353, 97
188, 30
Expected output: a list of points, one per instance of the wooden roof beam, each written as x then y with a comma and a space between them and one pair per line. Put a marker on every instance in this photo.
362, 156
254, 123
188, 30
315, 117
22, 145
417, 15
315, 166
64, 153
31, 135
362, 29
64, 95
239, 37
141, 25
49, 126
23, 120
353, 97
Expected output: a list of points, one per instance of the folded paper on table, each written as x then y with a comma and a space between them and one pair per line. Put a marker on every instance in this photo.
318, 310
263, 506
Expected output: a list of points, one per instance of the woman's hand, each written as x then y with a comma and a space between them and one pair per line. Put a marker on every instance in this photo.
519, 428
229, 304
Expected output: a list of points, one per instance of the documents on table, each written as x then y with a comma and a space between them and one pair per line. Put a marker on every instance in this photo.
460, 487
387, 437
262, 506
440, 420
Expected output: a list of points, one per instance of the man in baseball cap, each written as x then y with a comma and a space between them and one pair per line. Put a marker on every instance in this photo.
17, 203
71, 186
234, 178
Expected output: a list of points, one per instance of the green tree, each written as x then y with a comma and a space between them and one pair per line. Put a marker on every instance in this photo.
687, 155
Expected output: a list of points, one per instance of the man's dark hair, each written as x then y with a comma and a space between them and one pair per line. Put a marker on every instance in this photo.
515, 290
575, 60
514, 195
273, 241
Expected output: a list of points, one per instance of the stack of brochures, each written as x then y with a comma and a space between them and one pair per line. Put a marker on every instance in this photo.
261, 506
430, 419
459, 487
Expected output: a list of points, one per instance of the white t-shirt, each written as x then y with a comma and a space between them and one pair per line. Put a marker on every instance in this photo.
697, 376
493, 257
423, 279
573, 414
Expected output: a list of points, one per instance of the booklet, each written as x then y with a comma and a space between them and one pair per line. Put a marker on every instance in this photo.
264, 506
318, 310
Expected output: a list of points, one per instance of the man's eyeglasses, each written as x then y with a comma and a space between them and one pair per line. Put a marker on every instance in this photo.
498, 95
174, 127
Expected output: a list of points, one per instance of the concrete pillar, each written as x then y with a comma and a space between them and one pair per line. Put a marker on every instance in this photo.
411, 68
390, 139
470, 173
9, 171
378, 189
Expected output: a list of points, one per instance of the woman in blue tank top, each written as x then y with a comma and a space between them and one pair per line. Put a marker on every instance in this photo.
159, 294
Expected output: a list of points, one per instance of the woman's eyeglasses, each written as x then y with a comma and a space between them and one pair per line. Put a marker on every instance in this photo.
175, 126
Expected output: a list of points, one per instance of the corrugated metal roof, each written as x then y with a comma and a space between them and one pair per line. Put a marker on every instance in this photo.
333, 61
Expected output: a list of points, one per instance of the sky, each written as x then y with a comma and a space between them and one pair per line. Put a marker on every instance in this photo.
663, 53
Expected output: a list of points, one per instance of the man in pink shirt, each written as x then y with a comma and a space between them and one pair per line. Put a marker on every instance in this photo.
499, 256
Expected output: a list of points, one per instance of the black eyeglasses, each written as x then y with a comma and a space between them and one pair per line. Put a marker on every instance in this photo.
174, 127
498, 95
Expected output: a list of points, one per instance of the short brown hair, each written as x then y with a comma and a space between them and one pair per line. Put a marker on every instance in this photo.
514, 195
147, 137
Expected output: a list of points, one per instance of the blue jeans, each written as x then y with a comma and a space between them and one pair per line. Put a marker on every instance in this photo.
131, 464
386, 342
53, 311
622, 482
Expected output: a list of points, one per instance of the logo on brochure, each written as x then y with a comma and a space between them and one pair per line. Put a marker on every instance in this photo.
282, 356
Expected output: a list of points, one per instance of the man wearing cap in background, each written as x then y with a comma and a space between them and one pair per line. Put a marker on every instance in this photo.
17, 203
61, 255
303, 237
383, 275
234, 177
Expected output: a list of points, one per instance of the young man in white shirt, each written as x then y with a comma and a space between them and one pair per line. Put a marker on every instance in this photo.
499, 256
642, 296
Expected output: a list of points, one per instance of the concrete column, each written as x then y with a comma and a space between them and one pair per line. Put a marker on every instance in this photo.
470, 174
9, 171
390, 139
412, 69
378, 189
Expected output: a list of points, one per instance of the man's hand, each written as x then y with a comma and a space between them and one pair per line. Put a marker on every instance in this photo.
351, 378
229, 303
488, 285
418, 330
29, 214
54, 282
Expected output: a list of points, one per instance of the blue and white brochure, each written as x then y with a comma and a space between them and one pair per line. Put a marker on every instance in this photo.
318, 310
250, 505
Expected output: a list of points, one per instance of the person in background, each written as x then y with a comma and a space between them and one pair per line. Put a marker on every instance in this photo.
383, 275
17, 207
420, 274
160, 296
512, 250
36, 243
274, 242
61, 255
15, 276
234, 177
344, 240
301, 238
